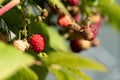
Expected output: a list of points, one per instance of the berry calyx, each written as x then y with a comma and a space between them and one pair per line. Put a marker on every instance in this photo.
37, 42
21, 45
73, 2
64, 20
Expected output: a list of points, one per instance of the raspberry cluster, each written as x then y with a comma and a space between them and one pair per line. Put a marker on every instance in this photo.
81, 25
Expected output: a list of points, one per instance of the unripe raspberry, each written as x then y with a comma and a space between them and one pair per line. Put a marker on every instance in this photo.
45, 13
37, 42
80, 44
22, 45
73, 2
95, 18
84, 44
74, 10
64, 20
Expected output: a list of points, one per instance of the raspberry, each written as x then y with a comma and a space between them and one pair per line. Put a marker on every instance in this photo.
64, 20
80, 44
74, 46
88, 33
73, 2
77, 17
37, 42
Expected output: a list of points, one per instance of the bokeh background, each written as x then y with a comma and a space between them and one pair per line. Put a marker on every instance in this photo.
107, 53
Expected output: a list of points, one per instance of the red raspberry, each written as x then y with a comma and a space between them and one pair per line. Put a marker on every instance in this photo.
37, 42
64, 20
73, 2
77, 18
74, 44
79, 45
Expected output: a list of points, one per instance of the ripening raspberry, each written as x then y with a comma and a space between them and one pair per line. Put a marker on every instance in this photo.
79, 45
73, 2
77, 18
37, 42
64, 20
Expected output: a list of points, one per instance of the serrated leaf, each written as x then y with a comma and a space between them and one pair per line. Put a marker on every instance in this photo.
12, 60
72, 60
79, 73
41, 71
61, 74
59, 4
56, 40
24, 74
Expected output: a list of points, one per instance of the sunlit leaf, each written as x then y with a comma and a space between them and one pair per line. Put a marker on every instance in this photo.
112, 9
72, 60
56, 41
24, 74
12, 60
41, 71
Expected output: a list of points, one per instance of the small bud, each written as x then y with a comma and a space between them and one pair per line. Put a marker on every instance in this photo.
44, 13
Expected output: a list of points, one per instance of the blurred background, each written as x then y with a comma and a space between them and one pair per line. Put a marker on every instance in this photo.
107, 53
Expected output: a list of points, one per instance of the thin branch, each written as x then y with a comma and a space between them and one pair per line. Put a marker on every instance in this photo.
8, 6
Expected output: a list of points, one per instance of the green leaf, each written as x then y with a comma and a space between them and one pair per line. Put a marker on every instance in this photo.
41, 71
73, 60
59, 4
56, 40
14, 20
1, 1
12, 60
24, 74
61, 74
79, 73
112, 9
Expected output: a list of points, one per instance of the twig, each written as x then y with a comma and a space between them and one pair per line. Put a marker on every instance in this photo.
8, 6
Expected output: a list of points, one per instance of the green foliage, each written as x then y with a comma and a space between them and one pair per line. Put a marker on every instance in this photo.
56, 41
112, 9
1, 1
24, 74
15, 65
58, 4
14, 20
68, 74
72, 60
41, 71
12, 60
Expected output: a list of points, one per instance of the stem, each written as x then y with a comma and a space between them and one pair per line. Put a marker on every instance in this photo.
8, 6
